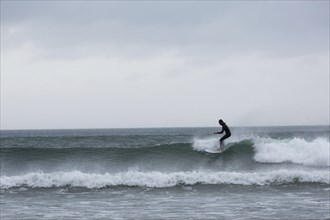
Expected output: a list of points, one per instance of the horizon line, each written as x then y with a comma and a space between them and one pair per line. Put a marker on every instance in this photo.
164, 127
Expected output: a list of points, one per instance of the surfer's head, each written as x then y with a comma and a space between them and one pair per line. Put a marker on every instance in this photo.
221, 122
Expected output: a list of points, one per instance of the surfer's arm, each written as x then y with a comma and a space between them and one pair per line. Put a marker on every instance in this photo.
218, 132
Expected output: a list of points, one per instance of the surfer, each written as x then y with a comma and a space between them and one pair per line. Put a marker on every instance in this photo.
225, 129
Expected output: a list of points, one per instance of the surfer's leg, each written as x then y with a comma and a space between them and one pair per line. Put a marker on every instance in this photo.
222, 143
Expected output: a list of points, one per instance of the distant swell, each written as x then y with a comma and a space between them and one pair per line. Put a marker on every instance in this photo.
161, 179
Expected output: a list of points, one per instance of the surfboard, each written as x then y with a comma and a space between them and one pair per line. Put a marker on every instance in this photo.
214, 151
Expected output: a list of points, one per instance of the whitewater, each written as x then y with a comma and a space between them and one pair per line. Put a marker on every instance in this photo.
110, 168
159, 179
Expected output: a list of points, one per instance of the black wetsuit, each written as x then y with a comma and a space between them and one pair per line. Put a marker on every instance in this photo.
226, 130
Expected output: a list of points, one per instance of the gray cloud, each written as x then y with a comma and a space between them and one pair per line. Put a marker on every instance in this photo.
214, 28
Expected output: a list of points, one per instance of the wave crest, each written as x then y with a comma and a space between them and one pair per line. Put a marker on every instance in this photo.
296, 150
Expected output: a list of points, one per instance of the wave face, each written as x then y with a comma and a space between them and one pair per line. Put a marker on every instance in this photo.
163, 157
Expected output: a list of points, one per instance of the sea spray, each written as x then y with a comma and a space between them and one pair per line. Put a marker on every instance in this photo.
200, 144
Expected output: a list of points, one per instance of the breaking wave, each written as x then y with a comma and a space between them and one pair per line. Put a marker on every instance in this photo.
296, 150
268, 150
160, 179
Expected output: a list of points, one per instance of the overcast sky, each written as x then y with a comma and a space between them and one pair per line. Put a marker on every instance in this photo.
112, 64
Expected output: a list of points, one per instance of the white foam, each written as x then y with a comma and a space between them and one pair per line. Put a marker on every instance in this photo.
200, 144
296, 150
161, 179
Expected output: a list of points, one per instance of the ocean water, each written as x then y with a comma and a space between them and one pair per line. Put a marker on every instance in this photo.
164, 173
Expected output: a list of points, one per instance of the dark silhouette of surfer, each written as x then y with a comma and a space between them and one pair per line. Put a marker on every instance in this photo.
225, 129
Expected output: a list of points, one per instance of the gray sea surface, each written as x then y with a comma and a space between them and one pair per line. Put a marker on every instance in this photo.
165, 173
